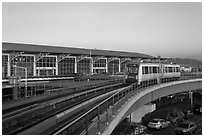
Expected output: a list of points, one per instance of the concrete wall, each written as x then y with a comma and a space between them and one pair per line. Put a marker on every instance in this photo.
136, 116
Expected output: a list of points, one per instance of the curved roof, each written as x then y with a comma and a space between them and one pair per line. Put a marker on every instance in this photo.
9, 47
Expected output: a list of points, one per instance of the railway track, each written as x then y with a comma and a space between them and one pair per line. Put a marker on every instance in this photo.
84, 121
18, 121
52, 94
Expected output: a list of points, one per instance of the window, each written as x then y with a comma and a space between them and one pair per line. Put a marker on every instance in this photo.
113, 66
66, 66
170, 69
177, 69
100, 63
46, 62
154, 69
133, 68
24, 61
143, 70
84, 66
122, 65
166, 70
46, 66
146, 69
150, 70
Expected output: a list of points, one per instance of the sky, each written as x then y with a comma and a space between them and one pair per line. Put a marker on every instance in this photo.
157, 29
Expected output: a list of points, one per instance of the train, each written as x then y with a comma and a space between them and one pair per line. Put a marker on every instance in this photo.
141, 72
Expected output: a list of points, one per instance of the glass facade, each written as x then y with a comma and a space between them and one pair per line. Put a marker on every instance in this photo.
49, 66
66, 66
84, 66
4, 65
113, 66
122, 66
21, 62
99, 66
46, 62
46, 66
100, 63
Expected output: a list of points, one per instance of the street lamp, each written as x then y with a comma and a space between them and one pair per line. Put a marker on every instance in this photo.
25, 77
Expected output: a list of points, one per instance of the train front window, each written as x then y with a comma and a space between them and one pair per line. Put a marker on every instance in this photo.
132, 68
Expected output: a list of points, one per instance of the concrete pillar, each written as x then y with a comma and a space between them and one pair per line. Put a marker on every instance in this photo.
91, 65
75, 66
130, 118
9, 67
34, 66
191, 98
106, 66
119, 66
137, 115
56, 66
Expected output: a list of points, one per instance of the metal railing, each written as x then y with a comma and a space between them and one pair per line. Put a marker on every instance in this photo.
95, 119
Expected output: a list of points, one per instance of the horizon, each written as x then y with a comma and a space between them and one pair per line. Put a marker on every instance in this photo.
156, 29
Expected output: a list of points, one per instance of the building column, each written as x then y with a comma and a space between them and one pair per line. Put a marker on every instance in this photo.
119, 65
106, 65
9, 67
56, 66
34, 66
91, 65
75, 66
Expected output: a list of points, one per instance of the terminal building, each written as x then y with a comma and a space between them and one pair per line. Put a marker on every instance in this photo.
43, 60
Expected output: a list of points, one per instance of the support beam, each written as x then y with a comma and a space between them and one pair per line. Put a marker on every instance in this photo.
14, 55
98, 58
112, 58
40, 56
124, 59
63, 56
79, 58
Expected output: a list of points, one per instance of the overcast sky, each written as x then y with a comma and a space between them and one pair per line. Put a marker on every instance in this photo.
165, 29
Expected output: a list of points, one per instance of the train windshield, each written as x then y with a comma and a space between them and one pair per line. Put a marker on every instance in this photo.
132, 68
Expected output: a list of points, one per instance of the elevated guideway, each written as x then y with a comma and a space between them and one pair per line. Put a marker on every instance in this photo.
145, 96
114, 109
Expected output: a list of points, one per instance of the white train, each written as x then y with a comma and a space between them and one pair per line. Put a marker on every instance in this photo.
150, 72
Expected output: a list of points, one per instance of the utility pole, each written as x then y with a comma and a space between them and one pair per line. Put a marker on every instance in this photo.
26, 77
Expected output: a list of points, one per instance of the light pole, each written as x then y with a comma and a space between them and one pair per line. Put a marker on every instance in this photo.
25, 77
191, 98
113, 69
91, 63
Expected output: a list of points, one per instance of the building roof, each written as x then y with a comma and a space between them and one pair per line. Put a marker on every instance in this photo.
34, 48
